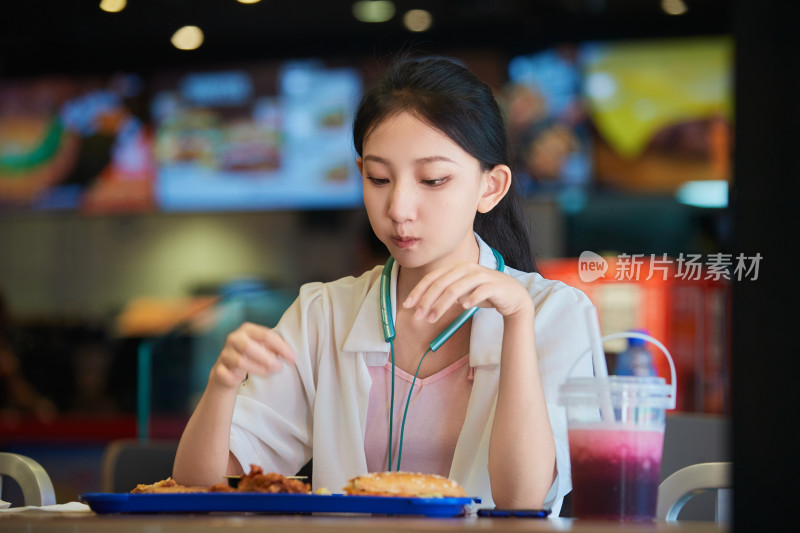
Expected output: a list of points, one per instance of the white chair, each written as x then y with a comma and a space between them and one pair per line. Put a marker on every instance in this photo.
37, 489
690, 439
687, 482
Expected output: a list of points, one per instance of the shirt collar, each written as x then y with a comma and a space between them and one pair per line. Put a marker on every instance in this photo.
366, 333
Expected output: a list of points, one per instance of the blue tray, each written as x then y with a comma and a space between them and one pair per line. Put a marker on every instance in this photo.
259, 502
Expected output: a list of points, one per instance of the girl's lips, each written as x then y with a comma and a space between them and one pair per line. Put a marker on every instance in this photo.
404, 242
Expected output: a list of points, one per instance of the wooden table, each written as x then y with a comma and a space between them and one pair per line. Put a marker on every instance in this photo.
45, 522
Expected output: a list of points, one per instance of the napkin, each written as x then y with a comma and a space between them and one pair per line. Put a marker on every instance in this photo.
61, 507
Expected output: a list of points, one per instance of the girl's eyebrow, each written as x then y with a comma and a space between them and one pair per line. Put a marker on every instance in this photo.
420, 161
433, 159
376, 158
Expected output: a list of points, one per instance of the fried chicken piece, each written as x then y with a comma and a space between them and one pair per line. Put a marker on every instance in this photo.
258, 481
222, 486
165, 486
255, 481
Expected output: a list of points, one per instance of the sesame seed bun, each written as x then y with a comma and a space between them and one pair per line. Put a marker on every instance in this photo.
406, 484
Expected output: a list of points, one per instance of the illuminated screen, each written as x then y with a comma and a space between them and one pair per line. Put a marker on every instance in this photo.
272, 136
547, 122
74, 144
661, 111
645, 116
256, 138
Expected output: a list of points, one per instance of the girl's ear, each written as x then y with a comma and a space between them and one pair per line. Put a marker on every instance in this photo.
360, 165
496, 185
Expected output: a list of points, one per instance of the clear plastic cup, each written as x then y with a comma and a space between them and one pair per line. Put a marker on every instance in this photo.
616, 435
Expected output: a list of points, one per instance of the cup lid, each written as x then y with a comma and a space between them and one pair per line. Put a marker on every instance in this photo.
650, 391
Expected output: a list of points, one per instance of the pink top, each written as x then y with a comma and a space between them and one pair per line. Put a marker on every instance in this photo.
435, 417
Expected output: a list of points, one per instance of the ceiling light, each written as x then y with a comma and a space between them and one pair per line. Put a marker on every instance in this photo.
674, 7
418, 20
113, 6
187, 38
373, 10
248, 1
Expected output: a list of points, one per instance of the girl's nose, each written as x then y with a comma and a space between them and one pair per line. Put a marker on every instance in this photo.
402, 203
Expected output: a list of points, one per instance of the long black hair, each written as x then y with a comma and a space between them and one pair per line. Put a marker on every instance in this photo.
453, 100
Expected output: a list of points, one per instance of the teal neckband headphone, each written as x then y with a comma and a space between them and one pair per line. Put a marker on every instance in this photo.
387, 323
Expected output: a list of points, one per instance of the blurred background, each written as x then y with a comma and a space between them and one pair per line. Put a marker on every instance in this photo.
170, 169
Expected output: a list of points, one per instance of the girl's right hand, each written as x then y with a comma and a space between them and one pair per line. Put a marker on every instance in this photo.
250, 349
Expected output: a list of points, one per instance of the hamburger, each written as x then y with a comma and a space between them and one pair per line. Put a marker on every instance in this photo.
404, 484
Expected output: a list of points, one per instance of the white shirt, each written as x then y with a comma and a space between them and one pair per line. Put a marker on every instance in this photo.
319, 405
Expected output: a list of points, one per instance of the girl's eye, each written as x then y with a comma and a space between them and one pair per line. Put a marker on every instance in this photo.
378, 181
434, 182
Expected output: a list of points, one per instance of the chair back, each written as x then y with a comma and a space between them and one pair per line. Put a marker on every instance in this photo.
130, 462
691, 439
37, 489
681, 486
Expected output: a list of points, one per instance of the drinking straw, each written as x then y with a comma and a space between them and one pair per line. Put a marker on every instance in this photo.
599, 362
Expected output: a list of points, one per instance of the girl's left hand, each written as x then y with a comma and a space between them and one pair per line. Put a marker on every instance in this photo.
468, 285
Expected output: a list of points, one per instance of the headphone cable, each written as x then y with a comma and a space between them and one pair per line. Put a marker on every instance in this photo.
389, 334
405, 411
391, 412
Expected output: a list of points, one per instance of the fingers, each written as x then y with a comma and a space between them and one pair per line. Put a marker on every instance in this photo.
438, 291
466, 285
270, 340
252, 349
424, 286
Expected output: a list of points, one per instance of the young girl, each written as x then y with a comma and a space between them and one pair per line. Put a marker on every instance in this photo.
439, 194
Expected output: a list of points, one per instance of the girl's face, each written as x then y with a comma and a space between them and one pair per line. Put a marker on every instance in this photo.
421, 191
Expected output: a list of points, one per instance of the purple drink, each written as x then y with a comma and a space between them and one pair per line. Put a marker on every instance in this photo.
615, 471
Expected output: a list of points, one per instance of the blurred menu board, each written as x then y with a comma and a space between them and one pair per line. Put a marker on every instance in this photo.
547, 122
645, 115
68, 143
256, 138
270, 136
662, 111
